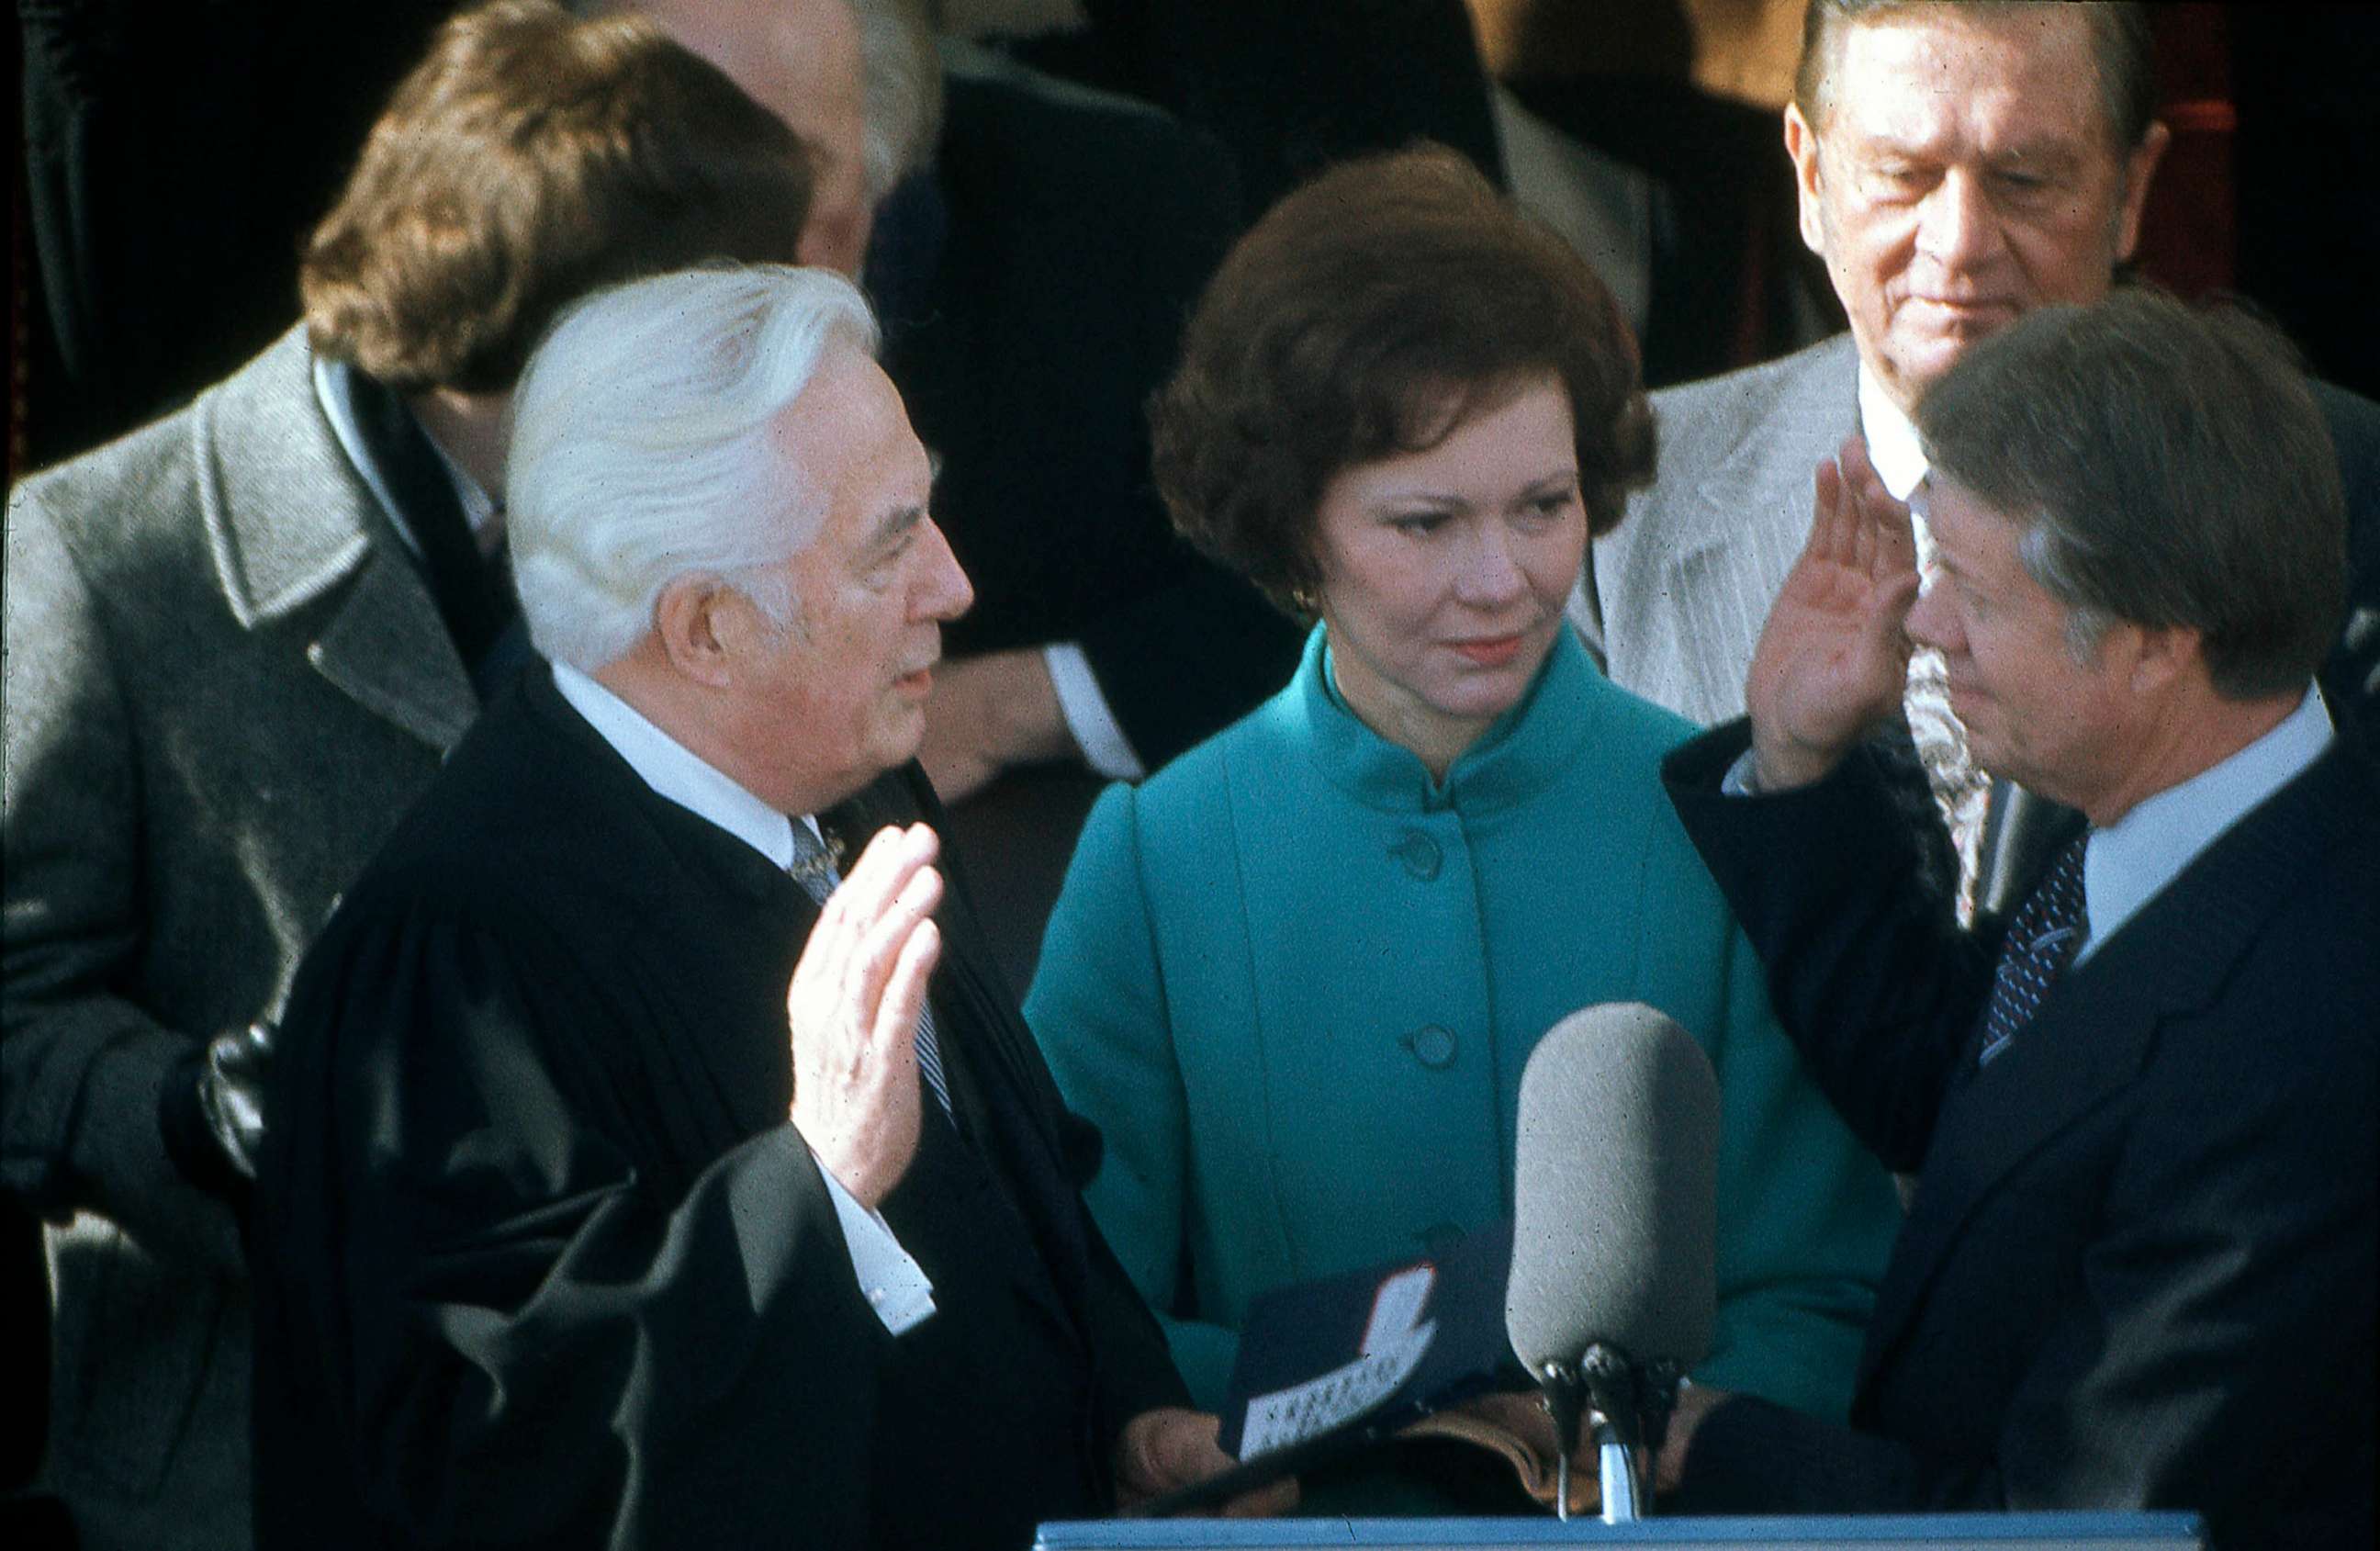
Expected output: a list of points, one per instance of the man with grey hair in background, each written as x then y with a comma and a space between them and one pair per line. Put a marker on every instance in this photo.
664, 1166
2139, 1267
1959, 163
1033, 248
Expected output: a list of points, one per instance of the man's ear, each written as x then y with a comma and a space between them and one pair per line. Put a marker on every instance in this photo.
1802, 145
691, 622
2140, 171
2163, 653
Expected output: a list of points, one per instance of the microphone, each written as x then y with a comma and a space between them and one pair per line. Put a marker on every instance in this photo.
1614, 1284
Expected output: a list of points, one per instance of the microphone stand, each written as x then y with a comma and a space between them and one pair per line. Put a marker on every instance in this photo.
1563, 1389
1628, 1405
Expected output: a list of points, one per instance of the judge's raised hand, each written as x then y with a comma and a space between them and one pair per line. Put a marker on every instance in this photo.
852, 1012
1832, 658
1168, 1448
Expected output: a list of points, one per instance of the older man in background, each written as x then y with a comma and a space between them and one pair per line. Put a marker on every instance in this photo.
1959, 164
2139, 1266
647, 1180
1033, 248
238, 643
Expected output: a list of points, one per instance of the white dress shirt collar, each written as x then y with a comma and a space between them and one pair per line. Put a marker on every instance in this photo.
2132, 859
1892, 442
334, 389
675, 772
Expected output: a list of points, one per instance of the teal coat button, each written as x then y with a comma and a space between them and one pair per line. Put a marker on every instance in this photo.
1432, 1045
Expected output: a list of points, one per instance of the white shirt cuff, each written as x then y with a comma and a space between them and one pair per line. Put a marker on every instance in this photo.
896, 1285
1095, 728
1743, 778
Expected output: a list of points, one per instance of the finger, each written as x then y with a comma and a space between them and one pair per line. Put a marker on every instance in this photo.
883, 868
1177, 1448
1867, 505
1858, 467
904, 989
826, 953
1883, 514
869, 894
835, 957
871, 966
1826, 512
1859, 527
1887, 636
1265, 1502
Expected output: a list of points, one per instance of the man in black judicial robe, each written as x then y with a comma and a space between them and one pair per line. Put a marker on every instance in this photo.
583, 1228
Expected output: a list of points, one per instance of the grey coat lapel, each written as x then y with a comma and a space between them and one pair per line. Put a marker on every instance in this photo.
1686, 581
288, 520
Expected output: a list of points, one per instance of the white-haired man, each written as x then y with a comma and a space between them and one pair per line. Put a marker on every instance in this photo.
629, 1196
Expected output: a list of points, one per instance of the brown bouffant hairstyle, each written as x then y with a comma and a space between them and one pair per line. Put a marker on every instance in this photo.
1370, 313
533, 157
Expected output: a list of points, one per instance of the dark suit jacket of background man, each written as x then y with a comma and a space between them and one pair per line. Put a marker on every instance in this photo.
2139, 1266
539, 1259
1076, 231
226, 680
1683, 585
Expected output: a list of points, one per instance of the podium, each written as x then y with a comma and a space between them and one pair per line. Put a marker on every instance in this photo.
1930, 1532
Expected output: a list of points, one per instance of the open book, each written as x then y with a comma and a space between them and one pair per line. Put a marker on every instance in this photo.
1346, 1363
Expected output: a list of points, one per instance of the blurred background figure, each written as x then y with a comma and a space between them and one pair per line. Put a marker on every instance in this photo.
1032, 248
1296, 975
238, 643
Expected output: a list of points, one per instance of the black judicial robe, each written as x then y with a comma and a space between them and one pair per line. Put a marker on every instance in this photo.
540, 1261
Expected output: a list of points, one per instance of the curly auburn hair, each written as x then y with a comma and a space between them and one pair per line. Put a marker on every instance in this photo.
1371, 313
532, 157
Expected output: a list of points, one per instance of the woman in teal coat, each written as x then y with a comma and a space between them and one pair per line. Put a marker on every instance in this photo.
1295, 976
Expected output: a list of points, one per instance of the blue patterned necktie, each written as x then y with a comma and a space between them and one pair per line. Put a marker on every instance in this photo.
814, 869
2048, 931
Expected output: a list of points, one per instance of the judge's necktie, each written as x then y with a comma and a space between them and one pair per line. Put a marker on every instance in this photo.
814, 869
2048, 932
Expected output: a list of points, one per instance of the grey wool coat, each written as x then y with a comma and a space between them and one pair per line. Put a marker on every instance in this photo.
225, 681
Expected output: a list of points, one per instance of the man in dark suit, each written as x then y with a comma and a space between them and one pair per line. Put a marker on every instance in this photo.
238, 643
626, 1195
1959, 165
2138, 1270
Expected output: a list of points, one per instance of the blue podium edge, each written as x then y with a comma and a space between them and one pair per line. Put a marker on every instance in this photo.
2111, 1528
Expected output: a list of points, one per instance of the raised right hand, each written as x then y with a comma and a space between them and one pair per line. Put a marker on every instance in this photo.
852, 1013
1832, 658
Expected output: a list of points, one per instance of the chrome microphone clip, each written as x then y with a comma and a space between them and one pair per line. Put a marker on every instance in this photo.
1628, 1405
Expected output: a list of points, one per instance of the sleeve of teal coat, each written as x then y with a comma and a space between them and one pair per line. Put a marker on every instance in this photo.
1806, 1216
1098, 1006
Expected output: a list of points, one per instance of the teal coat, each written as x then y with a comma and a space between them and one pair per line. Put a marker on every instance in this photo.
1296, 982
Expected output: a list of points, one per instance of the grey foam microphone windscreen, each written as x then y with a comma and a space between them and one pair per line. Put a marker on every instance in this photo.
1616, 1194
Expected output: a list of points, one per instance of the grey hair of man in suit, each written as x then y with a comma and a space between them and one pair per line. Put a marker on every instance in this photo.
642, 448
858, 80
2174, 471
2120, 39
